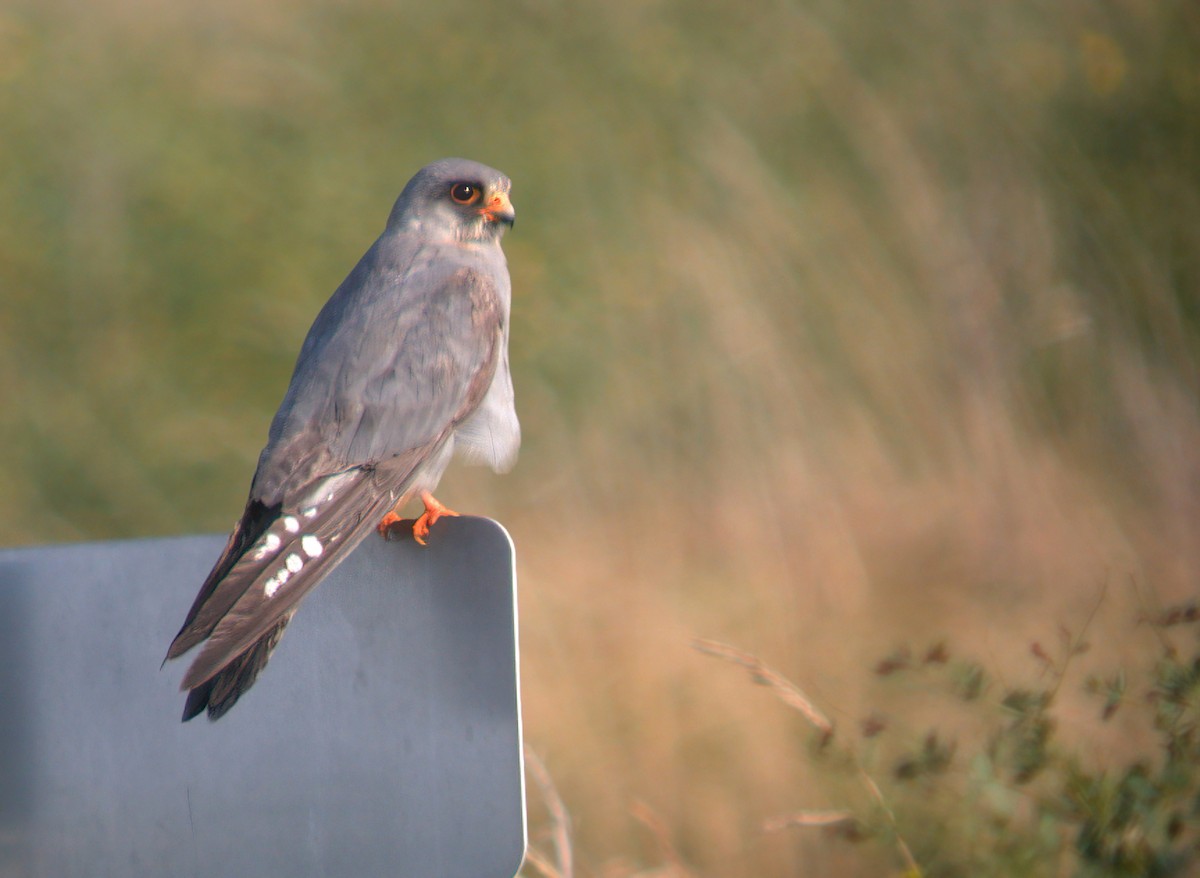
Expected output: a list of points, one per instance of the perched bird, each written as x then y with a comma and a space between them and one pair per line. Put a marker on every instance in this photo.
405, 367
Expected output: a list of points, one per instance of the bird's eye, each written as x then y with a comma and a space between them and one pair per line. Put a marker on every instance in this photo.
465, 193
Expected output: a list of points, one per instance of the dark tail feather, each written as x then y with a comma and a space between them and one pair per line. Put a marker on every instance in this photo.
253, 591
221, 692
255, 520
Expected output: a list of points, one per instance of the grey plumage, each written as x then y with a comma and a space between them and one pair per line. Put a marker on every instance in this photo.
405, 367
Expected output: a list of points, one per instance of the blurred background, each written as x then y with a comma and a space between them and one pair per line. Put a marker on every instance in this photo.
837, 326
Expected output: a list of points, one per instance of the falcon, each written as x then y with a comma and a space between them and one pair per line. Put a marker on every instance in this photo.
405, 367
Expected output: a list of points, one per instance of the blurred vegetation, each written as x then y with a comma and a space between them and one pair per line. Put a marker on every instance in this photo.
1017, 803
836, 325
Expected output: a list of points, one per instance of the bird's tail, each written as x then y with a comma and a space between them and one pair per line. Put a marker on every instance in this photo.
273, 559
275, 556
221, 692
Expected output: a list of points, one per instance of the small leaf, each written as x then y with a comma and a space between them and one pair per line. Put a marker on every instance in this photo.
937, 654
1039, 652
969, 680
873, 725
1024, 701
897, 661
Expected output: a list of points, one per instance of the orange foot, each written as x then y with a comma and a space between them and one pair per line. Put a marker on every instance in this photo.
433, 511
384, 528
420, 529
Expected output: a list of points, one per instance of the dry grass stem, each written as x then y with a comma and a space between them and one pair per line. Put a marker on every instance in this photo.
791, 694
650, 818
787, 691
560, 821
877, 794
807, 818
535, 858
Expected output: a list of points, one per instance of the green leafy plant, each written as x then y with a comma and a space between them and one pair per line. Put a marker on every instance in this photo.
1018, 798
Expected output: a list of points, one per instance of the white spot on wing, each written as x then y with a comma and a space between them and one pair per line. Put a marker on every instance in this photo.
291, 524
294, 562
310, 512
272, 585
311, 545
269, 544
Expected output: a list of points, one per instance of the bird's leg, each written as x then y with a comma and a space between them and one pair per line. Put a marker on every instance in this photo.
433, 511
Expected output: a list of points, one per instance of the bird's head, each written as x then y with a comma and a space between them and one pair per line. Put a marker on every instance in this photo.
455, 199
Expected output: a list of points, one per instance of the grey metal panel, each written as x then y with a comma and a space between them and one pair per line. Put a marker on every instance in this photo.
383, 738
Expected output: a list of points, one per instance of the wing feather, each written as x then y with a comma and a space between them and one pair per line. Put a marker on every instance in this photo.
292, 556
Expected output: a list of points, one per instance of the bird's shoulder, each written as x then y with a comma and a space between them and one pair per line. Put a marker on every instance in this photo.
400, 277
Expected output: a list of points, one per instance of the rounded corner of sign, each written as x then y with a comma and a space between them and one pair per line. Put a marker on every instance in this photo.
502, 530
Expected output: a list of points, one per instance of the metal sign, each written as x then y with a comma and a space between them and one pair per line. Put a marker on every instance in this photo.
383, 738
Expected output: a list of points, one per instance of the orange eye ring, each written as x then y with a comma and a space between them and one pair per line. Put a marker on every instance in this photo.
465, 193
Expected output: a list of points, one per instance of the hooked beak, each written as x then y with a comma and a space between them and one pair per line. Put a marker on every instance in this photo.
499, 210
